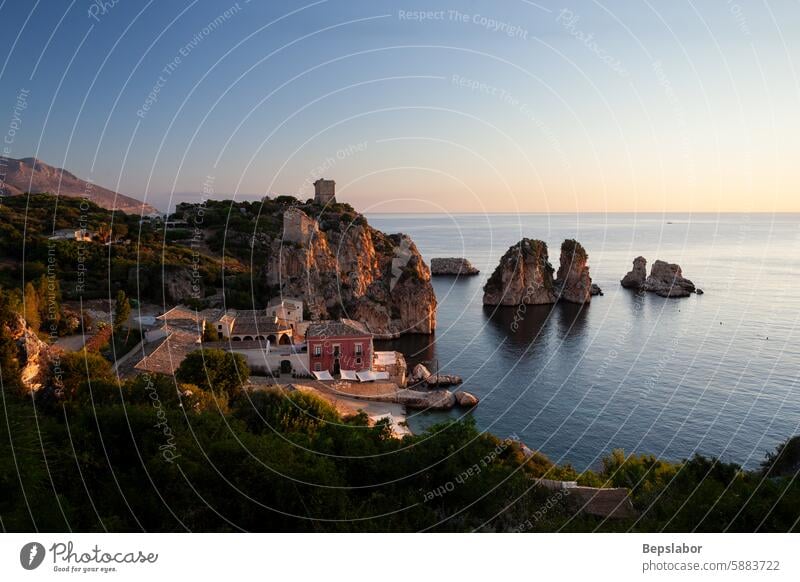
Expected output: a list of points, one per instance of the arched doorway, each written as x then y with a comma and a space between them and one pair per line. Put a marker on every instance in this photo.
272, 339
285, 340
286, 367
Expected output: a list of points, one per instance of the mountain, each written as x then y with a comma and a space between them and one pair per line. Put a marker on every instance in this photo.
32, 175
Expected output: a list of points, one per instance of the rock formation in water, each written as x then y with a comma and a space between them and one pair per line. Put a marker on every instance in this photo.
523, 277
466, 399
342, 267
667, 280
452, 266
636, 277
573, 283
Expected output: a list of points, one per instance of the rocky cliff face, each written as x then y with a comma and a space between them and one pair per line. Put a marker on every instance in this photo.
573, 282
525, 276
349, 269
636, 277
452, 266
34, 355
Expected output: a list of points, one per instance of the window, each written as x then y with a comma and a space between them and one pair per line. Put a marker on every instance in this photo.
359, 349
318, 367
358, 361
317, 351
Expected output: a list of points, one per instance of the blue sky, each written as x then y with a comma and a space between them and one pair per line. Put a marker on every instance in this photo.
480, 106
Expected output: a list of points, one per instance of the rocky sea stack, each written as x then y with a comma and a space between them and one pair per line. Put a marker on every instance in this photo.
573, 282
636, 277
452, 266
525, 276
665, 279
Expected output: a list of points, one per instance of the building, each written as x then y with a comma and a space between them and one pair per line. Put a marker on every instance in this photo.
324, 191
264, 341
80, 235
394, 364
298, 227
339, 345
288, 310
240, 325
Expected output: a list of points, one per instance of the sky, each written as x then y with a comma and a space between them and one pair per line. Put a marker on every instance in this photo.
414, 106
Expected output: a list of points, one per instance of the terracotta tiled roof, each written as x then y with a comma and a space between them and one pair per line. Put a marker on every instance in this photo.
168, 356
341, 328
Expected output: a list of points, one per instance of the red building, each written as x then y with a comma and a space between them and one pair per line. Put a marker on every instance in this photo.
339, 345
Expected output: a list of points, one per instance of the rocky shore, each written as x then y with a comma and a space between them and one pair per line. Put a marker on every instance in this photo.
452, 266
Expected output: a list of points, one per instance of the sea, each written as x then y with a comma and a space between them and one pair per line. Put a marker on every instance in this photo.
714, 374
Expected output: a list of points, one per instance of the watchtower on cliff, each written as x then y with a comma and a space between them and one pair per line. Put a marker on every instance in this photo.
324, 191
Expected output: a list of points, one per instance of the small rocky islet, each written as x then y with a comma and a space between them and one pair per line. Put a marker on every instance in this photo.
453, 266
665, 279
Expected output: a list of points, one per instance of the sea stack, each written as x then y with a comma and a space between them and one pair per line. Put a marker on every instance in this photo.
452, 266
636, 277
573, 283
665, 279
523, 277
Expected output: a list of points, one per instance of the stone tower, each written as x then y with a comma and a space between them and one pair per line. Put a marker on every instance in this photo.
324, 191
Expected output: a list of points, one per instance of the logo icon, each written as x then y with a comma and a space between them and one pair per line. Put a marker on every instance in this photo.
31, 555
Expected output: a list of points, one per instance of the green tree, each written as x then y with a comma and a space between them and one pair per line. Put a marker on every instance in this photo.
214, 370
122, 310
210, 333
74, 370
31, 299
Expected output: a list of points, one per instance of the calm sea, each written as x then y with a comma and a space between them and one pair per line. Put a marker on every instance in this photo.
715, 374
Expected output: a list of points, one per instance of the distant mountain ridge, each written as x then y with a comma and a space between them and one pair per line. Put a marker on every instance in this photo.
33, 175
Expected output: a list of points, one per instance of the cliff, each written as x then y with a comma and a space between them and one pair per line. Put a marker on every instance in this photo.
524, 276
35, 356
345, 268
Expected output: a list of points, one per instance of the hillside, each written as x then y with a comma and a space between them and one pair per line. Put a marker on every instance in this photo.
229, 253
32, 175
